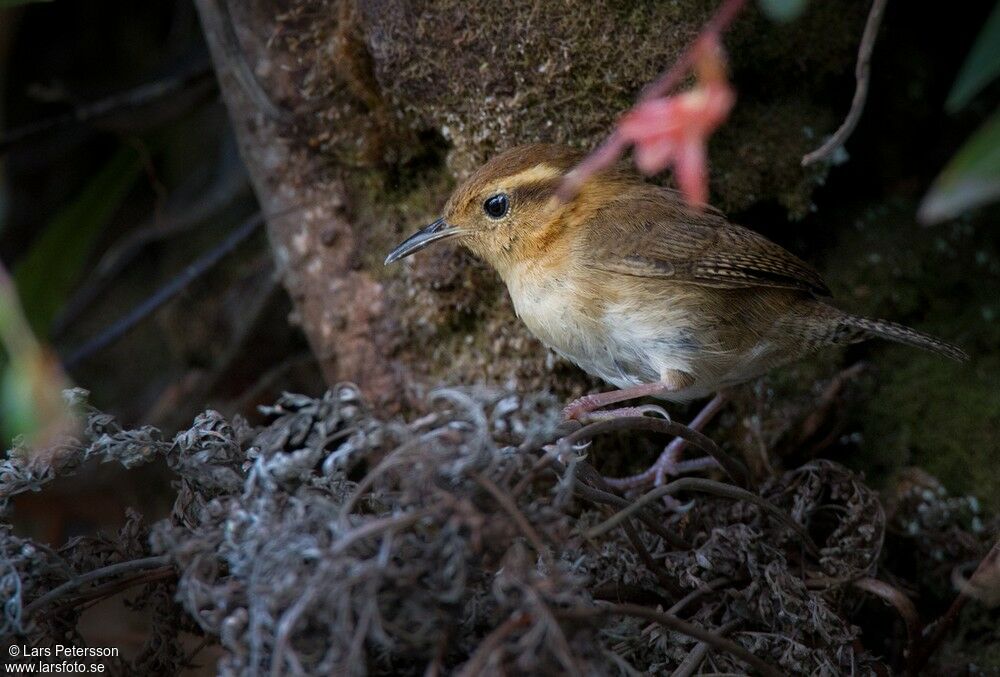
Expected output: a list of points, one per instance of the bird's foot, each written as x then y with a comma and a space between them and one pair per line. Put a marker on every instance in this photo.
582, 406
669, 463
623, 412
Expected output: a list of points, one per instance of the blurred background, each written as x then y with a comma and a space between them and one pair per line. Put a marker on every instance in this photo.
122, 188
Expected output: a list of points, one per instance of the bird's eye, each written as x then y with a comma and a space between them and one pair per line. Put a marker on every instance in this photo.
497, 206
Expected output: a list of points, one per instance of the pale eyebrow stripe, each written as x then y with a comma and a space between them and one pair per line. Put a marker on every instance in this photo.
540, 173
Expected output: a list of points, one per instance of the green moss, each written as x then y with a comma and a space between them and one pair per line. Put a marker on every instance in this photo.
388, 206
923, 409
775, 173
975, 649
940, 416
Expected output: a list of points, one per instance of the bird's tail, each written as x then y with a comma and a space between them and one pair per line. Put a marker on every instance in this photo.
819, 324
866, 328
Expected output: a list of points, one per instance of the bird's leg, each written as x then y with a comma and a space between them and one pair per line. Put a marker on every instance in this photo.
671, 381
588, 403
669, 463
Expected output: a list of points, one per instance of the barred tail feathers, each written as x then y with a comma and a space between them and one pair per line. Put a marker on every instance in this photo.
902, 334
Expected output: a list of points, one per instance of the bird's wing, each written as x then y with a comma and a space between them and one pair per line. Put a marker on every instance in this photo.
656, 235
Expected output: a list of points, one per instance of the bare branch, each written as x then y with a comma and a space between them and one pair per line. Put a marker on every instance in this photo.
675, 624
191, 273
711, 487
197, 78
862, 74
507, 504
81, 580
903, 604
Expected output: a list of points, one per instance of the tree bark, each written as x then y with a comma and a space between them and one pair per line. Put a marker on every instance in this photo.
339, 307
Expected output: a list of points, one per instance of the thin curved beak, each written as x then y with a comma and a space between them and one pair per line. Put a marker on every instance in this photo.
439, 230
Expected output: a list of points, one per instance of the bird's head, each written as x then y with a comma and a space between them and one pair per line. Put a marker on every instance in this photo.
506, 212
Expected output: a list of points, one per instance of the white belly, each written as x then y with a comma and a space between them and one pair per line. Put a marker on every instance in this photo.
625, 345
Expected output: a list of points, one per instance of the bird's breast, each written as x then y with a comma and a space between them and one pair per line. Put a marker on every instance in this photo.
551, 309
616, 338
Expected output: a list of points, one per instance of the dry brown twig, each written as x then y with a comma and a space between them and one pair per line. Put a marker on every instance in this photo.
440, 503
675, 624
712, 487
699, 652
987, 568
903, 604
862, 75
507, 504
478, 661
101, 592
97, 574
597, 491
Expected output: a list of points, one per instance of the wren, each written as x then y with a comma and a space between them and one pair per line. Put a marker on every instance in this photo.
639, 289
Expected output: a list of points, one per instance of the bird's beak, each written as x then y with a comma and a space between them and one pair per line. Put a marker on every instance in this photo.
439, 230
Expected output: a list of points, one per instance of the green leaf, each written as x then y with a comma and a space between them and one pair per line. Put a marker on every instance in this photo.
55, 262
980, 67
783, 11
971, 178
17, 416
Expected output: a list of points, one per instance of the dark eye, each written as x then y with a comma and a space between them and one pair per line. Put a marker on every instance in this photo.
497, 206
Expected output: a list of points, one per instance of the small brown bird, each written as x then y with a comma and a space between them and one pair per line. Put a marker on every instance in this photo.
638, 289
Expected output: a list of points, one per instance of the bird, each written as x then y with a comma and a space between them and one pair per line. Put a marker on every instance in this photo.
640, 289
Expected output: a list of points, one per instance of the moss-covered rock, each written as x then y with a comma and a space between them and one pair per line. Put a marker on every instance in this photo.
404, 98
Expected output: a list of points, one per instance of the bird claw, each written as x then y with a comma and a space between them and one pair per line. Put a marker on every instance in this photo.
579, 408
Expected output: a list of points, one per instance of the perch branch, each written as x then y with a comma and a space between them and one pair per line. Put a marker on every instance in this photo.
862, 75
711, 487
